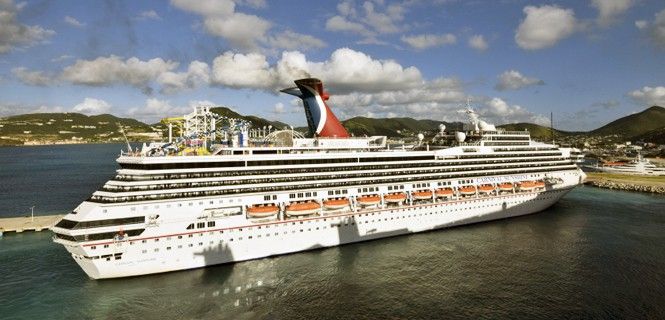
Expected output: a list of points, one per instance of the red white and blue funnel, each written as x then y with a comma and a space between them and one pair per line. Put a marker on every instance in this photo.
320, 119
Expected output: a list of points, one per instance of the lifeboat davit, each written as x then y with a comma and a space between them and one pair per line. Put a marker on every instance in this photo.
369, 201
469, 190
486, 188
506, 186
262, 211
336, 203
443, 193
422, 195
302, 209
395, 198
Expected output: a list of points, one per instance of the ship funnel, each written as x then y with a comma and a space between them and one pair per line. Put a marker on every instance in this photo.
320, 119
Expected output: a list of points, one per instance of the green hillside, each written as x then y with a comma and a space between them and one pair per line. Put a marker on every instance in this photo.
538, 132
634, 124
256, 121
654, 136
393, 127
51, 127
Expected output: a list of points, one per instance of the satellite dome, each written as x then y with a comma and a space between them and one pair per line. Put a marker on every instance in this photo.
460, 136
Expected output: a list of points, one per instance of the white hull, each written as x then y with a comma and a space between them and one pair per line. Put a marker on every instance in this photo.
224, 245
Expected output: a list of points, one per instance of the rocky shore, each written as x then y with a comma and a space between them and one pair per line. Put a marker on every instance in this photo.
626, 183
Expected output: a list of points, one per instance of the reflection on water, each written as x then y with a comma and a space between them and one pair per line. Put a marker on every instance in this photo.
595, 254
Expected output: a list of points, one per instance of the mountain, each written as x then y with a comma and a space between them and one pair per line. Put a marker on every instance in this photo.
656, 136
256, 121
53, 127
634, 124
538, 132
393, 127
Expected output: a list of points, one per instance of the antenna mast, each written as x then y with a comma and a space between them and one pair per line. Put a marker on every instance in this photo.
129, 148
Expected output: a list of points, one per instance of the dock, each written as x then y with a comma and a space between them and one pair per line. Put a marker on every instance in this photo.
20, 224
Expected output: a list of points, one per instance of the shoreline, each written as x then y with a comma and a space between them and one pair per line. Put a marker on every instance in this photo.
626, 182
21, 224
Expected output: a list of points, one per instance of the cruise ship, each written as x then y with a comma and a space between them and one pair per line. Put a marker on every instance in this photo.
224, 192
638, 166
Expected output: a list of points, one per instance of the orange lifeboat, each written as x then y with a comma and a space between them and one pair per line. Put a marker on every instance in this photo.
422, 195
506, 186
468, 190
527, 185
302, 208
262, 211
443, 193
539, 184
336, 203
369, 200
395, 197
486, 188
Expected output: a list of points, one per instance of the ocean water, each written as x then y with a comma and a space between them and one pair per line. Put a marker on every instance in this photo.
595, 254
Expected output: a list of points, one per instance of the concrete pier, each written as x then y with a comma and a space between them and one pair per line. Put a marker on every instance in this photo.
20, 224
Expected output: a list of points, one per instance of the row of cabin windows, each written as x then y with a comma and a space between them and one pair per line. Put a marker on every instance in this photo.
224, 164
270, 197
201, 225
104, 199
369, 189
100, 236
401, 187
72, 225
122, 177
303, 195
290, 179
337, 192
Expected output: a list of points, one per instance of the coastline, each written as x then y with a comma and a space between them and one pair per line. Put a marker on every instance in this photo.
626, 182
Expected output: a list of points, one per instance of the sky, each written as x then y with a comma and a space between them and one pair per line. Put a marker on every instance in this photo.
587, 62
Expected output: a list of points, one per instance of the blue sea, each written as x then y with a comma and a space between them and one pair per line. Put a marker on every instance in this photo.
596, 254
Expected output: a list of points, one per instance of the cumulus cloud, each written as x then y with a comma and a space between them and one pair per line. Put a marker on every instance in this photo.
478, 42
8, 109
655, 30
345, 71
290, 40
14, 34
500, 112
609, 10
105, 71
155, 109
92, 106
279, 108
649, 95
33, 78
73, 22
368, 20
514, 80
196, 75
544, 26
243, 31
424, 41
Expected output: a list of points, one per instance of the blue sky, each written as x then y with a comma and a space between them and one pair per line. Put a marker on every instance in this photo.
588, 62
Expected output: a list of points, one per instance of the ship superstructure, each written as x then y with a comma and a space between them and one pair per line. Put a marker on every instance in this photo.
168, 209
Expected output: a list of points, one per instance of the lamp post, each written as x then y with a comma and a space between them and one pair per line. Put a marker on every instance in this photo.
32, 213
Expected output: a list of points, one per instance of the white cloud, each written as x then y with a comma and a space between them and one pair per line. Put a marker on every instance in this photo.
499, 111
279, 108
655, 30
368, 20
62, 58
241, 30
196, 75
290, 40
649, 95
73, 22
155, 109
478, 42
544, 26
14, 34
514, 80
8, 109
609, 10
425, 41
149, 15
92, 106
33, 78
105, 71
